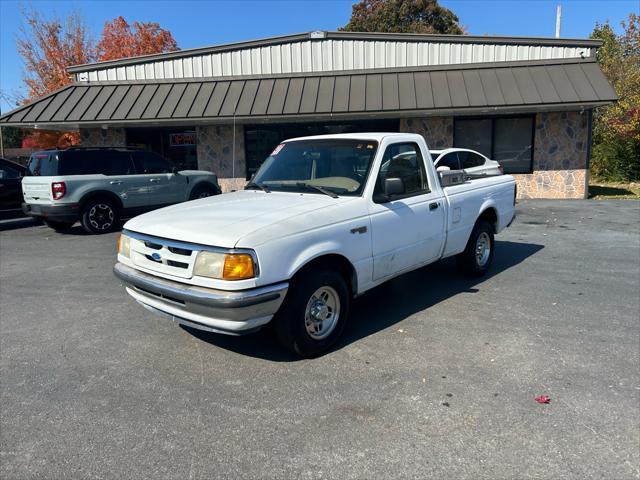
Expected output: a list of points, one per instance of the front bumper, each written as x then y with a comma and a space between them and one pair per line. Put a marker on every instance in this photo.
222, 311
61, 213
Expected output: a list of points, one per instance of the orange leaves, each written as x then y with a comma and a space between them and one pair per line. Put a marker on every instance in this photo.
119, 40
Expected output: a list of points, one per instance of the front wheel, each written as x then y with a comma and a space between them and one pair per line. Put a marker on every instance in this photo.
203, 192
99, 216
314, 312
478, 255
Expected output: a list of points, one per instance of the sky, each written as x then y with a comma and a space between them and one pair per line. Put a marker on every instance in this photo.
199, 23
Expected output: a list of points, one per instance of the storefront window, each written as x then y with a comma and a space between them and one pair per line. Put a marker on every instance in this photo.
509, 140
177, 144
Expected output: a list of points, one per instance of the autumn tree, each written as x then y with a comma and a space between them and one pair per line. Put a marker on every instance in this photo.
48, 47
402, 16
616, 130
120, 40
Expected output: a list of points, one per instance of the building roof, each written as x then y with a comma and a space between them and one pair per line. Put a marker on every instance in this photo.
459, 89
341, 35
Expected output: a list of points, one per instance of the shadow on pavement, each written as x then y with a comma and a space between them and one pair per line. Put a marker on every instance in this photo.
386, 305
17, 223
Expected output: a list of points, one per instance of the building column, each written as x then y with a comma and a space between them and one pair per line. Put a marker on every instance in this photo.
437, 131
101, 137
216, 153
560, 157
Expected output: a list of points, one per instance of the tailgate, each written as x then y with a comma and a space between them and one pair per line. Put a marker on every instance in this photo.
36, 190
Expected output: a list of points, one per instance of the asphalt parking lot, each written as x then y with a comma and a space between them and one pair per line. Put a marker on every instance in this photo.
436, 377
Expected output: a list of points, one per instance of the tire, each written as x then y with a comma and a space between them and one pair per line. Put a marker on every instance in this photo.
478, 254
99, 215
59, 226
313, 294
203, 191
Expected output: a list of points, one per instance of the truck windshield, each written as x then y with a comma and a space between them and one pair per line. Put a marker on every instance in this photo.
336, 167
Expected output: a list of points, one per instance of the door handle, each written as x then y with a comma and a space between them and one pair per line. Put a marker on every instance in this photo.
434, 205
154, 180
115, 182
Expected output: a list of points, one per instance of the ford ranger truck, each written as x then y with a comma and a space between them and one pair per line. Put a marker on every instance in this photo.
325, 219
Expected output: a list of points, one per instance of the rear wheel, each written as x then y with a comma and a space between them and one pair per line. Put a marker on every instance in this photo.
59, 226
478, 255
314, 313
99, 216
203, 191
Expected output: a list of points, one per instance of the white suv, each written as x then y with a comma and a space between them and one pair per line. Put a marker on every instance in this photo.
100, 186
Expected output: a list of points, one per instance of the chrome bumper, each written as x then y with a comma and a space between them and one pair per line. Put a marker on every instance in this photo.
231, 312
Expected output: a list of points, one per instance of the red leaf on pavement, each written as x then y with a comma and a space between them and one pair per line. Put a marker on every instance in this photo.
543, 399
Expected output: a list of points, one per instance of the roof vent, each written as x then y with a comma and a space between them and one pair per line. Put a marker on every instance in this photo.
318, 34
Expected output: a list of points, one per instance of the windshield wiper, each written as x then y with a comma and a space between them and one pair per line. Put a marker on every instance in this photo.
318, 188
261, 186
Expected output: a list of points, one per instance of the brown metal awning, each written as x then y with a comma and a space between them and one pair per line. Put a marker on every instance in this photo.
453, 89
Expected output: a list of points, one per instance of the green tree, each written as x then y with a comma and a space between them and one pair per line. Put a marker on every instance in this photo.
12, 137
402, 16
616, 128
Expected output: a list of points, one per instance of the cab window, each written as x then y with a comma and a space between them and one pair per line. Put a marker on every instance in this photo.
403, 161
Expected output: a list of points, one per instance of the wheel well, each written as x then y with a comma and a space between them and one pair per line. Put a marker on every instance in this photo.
205, 184
489, 215
101, 194
338, 263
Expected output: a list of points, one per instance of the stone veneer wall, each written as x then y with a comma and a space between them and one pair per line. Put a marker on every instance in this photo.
438, 131
215, 153
560, 158
99, 137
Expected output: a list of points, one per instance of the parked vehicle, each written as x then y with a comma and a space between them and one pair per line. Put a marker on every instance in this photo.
11, 174
472, 162
325, 219
100, 186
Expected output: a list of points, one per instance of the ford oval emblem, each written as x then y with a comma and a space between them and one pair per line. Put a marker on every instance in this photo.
156, 256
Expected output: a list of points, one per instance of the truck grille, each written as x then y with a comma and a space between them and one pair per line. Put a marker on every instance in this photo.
163, 256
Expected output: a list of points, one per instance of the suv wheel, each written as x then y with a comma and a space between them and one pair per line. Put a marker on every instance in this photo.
314, 312
99, 216
59, 226
203, 191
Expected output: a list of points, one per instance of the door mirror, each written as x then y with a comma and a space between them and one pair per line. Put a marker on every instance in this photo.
443, 168
393, 186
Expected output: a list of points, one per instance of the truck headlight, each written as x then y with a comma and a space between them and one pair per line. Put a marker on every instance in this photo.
224, 266
124, 245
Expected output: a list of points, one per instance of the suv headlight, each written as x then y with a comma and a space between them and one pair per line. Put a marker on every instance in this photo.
224, 266
124, 245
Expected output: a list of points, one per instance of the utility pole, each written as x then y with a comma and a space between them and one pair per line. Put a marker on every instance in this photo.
1, 140
558, 18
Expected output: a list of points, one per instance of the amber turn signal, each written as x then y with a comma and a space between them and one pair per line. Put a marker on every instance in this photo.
238, 266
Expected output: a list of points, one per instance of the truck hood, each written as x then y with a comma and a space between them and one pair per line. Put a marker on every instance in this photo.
223, 220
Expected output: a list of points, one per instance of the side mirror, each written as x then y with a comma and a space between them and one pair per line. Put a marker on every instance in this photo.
443, 168
393, 186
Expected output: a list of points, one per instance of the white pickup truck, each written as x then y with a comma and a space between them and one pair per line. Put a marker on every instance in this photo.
325, 219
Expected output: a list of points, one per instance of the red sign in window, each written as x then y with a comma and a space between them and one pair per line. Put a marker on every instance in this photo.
183, 139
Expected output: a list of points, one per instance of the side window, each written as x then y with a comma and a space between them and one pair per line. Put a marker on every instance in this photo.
449, 160
149, 162
8, 172
115, 162
470, 159
403, 161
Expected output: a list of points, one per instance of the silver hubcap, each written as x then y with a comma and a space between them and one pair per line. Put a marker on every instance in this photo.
322, 313
483, 249
101, 216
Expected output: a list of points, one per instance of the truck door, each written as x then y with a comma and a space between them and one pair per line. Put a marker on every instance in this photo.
408, 226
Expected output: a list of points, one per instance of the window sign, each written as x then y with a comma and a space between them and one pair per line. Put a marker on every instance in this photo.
183, 139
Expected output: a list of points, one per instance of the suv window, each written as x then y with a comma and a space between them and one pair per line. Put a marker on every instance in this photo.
43, 164
95, 162
470, 159
149, 162
449, 160
8, 172
403, 161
